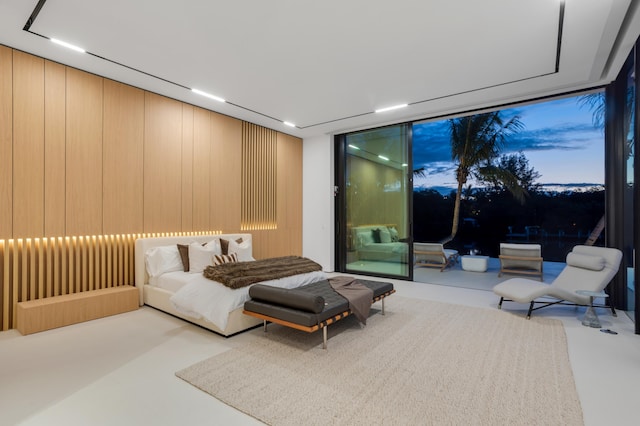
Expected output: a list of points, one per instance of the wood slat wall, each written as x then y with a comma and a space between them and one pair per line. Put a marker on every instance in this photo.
37, 268
81, 155
259, 178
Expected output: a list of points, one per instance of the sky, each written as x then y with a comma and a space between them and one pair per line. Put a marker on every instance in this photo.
558, 138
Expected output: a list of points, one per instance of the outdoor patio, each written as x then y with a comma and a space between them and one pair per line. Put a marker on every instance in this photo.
454, 275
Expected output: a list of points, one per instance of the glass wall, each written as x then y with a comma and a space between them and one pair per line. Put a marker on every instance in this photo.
374, 190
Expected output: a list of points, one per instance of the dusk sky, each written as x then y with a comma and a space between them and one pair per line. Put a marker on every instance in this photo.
558, 139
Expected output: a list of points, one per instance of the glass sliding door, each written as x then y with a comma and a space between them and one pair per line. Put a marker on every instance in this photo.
374, 191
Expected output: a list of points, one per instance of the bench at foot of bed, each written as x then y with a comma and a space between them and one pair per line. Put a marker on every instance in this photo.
308, 308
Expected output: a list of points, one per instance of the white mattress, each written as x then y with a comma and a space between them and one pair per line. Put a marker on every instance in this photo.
199, 297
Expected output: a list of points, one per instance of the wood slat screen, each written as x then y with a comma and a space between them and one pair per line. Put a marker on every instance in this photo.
37, 268
259, 178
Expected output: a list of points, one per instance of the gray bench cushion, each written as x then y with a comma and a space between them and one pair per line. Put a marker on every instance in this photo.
289, 297
334, 303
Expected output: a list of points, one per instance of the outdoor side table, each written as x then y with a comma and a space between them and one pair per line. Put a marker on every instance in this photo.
475, 263
590, 317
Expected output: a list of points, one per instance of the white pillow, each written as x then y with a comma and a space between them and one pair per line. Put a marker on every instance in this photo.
244, 250
160, 260
200, 257
215, 246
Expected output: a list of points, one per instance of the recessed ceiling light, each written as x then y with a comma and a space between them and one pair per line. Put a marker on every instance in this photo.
392, 108
287, 123
67, 45
208, 95
383, 157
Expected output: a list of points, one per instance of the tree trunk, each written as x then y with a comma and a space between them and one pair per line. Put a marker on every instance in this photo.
456, 215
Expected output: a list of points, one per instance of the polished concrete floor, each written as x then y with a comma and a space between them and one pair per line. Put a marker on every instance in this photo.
120, 370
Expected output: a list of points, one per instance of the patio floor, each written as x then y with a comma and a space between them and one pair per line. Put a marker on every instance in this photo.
454, 275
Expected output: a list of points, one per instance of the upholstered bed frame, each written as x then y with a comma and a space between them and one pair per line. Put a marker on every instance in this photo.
159, 298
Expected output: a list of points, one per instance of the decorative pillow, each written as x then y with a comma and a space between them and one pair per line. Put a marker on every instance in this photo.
160, 260
244, 250
385, 235
365, 237
183, 249
219, 259
586, 261
394, 234
376, 235
224, 245
199, 257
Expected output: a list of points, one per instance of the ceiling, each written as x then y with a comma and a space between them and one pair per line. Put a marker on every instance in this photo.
327, 66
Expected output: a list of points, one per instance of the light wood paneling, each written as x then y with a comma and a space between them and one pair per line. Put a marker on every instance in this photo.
226, 185
54, 149
259, 178
201, 168
162, 164
187, 167
6, 142
84, 153
123, 139
290, 193
28, 145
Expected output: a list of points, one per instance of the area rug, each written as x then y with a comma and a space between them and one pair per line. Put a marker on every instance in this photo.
423, 362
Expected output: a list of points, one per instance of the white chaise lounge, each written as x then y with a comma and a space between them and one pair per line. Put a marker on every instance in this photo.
588, 268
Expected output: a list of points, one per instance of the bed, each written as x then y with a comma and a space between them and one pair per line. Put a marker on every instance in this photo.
164, 285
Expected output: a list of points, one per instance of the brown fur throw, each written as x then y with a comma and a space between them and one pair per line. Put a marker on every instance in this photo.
242, 274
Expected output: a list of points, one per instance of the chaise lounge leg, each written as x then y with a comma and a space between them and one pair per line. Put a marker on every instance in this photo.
324, 337
264, 324
500, 303
530, 309
382, 306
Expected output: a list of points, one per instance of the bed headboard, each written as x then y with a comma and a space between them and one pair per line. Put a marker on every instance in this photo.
144, 244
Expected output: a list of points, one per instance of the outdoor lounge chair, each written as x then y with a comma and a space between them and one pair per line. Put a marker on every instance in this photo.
588, 269
434, 255
523, 259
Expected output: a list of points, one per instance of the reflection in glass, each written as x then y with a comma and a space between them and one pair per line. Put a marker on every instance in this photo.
376, 201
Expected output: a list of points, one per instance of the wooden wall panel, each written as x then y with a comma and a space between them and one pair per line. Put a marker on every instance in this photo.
123, 139
162, 164
226, 167
28, 145
290, 192
187, 167
6, 142
54, 149
84, 153
201, 169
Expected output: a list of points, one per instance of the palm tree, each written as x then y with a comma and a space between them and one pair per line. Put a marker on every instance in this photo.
476, 141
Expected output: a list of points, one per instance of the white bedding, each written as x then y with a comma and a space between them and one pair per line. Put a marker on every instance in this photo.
199, 297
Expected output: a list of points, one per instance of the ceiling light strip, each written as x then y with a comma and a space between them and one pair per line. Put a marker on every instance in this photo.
208, 95
391, 108
68, 45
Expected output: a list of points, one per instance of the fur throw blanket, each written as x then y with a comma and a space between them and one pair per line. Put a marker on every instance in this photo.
242, 274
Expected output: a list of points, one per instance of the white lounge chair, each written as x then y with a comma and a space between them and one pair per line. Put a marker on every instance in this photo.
588, 268
434, 255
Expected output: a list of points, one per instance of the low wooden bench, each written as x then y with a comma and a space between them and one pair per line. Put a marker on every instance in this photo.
58, 311
299, 308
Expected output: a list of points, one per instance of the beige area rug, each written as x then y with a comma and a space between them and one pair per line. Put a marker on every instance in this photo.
423, 363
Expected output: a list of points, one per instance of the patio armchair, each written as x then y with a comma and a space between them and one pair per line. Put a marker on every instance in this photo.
523, 259
434, 255
589, 269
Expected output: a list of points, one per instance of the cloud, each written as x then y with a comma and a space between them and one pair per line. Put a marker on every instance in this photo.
567, 136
